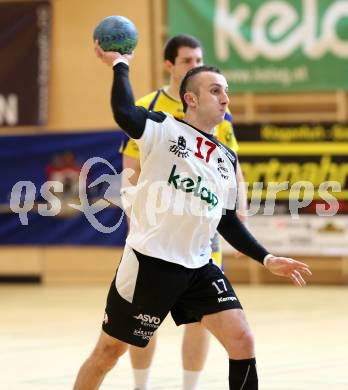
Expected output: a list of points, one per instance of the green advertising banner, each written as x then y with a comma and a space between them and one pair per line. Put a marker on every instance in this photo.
274, 45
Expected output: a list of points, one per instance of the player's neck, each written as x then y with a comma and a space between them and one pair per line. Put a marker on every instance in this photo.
194, 121
172, 90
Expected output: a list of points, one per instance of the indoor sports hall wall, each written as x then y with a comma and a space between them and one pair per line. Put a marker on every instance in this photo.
80, 84
79, 94
78, 101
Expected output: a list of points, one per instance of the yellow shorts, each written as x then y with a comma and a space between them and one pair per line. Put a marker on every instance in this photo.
216, 250
131, 149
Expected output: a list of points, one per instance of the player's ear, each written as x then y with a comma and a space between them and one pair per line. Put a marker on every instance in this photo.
190, 99
168, 65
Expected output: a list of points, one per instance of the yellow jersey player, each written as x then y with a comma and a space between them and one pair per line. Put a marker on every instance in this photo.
181, 54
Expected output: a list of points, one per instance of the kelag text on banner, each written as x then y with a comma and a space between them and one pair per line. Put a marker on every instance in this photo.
280, 45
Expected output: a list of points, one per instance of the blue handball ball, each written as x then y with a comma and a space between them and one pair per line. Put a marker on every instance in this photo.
116, 33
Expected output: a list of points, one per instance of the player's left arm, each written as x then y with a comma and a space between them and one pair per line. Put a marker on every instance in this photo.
237, 235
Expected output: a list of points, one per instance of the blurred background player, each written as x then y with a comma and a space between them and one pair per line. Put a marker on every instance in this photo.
181, 53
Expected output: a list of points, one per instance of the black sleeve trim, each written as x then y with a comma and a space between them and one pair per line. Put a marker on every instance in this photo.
236, 234
130, 117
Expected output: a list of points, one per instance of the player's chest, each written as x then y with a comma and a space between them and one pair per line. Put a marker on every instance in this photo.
198, 156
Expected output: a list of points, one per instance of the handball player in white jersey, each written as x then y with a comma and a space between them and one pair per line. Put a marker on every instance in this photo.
166, 266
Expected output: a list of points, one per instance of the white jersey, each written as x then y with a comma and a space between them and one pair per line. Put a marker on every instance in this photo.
187, 178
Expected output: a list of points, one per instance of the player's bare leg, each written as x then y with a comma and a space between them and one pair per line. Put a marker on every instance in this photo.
141, 359
231, 328
195, 346
103, 358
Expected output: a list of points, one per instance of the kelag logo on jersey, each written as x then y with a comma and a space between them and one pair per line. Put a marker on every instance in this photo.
186, 184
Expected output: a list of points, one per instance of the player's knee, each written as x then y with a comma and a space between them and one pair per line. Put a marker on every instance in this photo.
243, 340
248, 339
107, 355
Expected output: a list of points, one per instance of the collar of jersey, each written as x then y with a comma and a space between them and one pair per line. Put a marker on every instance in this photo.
210, 136
168, 96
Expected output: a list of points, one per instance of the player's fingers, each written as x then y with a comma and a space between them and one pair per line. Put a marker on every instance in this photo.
129, 56
294, 280
98, 50
301, 267
307, 271
98, 53
298, 279
304, 269
300, 264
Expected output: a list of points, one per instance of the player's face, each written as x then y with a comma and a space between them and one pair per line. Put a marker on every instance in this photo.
212, 98
186, 59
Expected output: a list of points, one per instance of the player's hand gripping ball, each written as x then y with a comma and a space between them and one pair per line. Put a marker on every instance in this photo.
116, 33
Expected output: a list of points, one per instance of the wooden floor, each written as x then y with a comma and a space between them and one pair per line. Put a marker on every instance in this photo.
301, 339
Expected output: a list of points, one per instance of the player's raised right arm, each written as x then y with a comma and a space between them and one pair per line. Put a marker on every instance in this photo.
130, 117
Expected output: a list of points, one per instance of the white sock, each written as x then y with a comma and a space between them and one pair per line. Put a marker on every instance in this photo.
190, 380
141, 378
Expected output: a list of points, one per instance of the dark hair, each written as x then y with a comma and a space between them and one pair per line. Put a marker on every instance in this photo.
173, 45
191, 74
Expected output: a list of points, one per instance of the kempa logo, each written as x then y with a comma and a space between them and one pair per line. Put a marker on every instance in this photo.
146, 318
227, 299
278, 29
188, 185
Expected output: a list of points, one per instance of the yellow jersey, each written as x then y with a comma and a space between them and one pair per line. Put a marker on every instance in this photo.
160, 101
